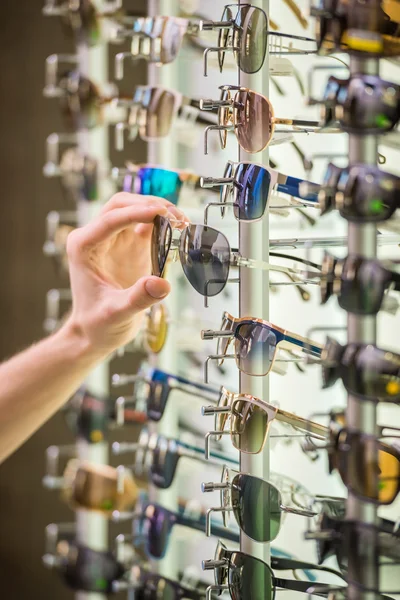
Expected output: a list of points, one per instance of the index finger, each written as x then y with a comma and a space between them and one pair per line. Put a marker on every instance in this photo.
122, 199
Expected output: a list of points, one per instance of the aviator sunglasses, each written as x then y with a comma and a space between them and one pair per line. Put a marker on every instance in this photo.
256, 343
244, 30
368, 372
248, 186
250, 115
205, 255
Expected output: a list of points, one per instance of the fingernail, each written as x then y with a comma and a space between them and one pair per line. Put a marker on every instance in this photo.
155, 288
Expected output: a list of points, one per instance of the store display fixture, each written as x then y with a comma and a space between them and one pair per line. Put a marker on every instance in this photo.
264, 218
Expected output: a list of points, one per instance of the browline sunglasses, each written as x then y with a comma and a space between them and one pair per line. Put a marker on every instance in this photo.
248, 187
256, 344
366, 30
157, 181
205, 255
362, 104
244, 30
368, 372
246, 576
250, 420
157, 456
152, 112
361, 193
360, 284
151, 393
250, 115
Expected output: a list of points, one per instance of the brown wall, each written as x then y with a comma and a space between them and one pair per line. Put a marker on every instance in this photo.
26, 118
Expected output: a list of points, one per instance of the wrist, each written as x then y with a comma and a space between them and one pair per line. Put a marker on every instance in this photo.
76, 344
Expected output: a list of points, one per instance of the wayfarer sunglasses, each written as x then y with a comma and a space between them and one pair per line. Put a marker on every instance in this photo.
205, 255
256, 343
247, 577
250, 115
368, 372
244, 30
250, 420
361, 193
248, 187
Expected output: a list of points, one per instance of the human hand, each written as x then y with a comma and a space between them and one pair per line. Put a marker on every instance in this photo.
110, 271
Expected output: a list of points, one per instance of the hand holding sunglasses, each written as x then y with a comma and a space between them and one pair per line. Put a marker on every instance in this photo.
244, 30
250, 115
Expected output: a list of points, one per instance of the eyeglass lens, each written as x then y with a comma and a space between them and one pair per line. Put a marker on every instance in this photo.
255, 346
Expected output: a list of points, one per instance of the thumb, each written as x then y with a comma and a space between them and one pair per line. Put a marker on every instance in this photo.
146, 292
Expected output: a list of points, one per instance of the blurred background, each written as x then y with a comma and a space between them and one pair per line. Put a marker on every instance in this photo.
26, 119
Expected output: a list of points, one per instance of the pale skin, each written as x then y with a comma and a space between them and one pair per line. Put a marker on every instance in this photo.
110, 273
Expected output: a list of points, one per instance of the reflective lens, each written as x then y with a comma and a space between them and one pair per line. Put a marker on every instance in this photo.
205, 257
250, 36
162, 183
369, 467
249, 426
157, 400
255, 346
159, 528
164, 463
362, 285
253, 183
257, 507
253, 121
249, 578
160, 245
156, 328
159, 110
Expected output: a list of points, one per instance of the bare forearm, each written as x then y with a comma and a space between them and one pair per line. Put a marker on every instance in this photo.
37, 382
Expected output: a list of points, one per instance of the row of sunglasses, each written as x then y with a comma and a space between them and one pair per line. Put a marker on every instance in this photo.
244, 30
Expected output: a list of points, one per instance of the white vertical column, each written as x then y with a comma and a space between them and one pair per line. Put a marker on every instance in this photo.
254, 296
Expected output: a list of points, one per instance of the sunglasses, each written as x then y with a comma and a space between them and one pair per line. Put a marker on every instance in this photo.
155, 39
250, 115
360, 284
151, 393
366, 371
153, 524
256, 343
244, 30
150, 180
152, 113
362, 105
250, 420
256, 504
205, 255
78, 172
337, 25
157, 457
247, 577
368, 466
248, 187
341, 538
361, 193
81, 20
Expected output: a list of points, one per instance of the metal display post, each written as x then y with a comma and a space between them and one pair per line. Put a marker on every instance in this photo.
254, 299
361, 415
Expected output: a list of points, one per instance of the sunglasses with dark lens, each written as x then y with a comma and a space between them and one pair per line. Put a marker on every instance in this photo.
205, 255
157, 456
151, 392
343, 538
338, 28
362, 105
360, 284
368, 372
361, 193
153, 111
244, 30
257, 343
86, 570
248, 186
250, 420
369, 467
248, 577
156, 181
250, 115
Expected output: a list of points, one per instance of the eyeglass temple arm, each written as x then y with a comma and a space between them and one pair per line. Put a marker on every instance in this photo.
297, 13
318, 430
296, 586
290, 564
307, 346
298, 511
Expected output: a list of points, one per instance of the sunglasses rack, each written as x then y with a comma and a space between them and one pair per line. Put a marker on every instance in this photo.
262, 449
